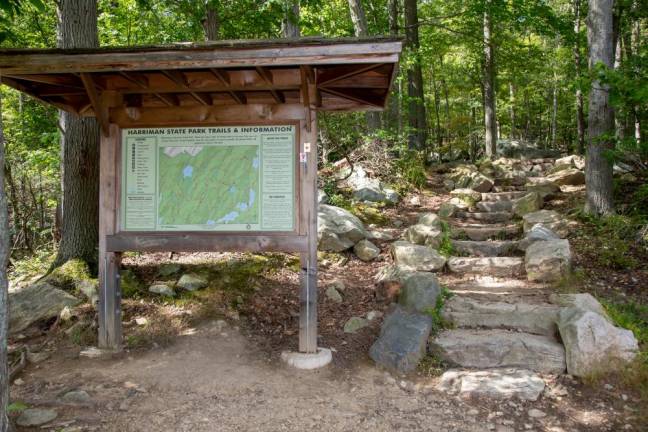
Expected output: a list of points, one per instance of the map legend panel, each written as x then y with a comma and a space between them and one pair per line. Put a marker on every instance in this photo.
233, 178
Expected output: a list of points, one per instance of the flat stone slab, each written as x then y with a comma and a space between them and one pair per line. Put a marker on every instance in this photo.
308, 361
409, 256
487, 217
493, 384
494, 266
530, 318
495, 206
485, 248
32, 417
502, 196
481, 232
499, 349
36, 302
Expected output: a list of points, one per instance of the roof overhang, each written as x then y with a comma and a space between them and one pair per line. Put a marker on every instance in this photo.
346, 74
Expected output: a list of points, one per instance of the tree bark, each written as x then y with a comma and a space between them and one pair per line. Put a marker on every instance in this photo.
490, 122
437, 106
291, 21
361, 29
77, 28
4, 286
512, 109
393, 110
598, 172
580, 114
417, 118
211, 23
554, 112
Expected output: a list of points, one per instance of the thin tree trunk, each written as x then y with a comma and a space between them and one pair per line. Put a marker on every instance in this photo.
417, 117
77, 28
361, 29
636, 41
435, 92
598, 172
512, 109
580, 112
444, 86
4, 286
554, 112
490, 123
291, 20
393, 113
211, 23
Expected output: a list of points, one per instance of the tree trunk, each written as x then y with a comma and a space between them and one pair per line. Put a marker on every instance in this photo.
291, 21
512, 109
580, 114
393, 110
361, 29
4, 312
437, 104
490, 123
417, 118
636, 44
211, 23
77, 28
554, 112
598, 172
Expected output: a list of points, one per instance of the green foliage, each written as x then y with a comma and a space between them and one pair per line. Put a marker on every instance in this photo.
446, 248
410, 168
632, 316
438, 322
67, 275
612, 237
16, 407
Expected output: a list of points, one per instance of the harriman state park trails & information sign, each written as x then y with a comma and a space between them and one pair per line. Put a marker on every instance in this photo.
218, 178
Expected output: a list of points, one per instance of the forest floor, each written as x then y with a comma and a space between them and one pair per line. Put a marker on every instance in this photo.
210, 361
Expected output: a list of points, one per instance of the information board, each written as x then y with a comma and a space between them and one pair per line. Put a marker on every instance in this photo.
225, 178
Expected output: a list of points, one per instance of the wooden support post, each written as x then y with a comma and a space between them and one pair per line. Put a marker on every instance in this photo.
110, 326
308, 294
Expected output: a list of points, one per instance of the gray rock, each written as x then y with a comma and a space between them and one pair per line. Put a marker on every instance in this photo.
419, 292
409, 256
77, 397
402, 341
494, 248
499, 349
592, 343
465, 312
430, 220
36, 302
338, 229
354, 324
573, 160
366, 251
584, 301
493, 384
543, 187
166, 270
333, 294
162, 289
548, 219
32, 417
468, 196
89, 288
192, 282
447, 210
547, 261
391, 196
380, 235
493, 266
536, 413
322, 197
529, 203
423, 235
569, 176
372, 315
389, 281
537, 233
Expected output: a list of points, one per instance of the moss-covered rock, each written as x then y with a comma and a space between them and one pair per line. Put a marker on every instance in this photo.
67, 275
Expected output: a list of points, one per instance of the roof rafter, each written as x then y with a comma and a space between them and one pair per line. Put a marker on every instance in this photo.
101, 111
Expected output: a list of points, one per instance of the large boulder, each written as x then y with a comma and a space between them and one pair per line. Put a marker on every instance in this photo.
584, 301
431, 220
366, 188
402, 341
543, 187
409, 256
572, 160
568, 176
468, 197
338, 229
423, 235
420, 291
492, 384
467, 176
547, 261
536, 233
447, 210
549, 219
389, 282
592, 343
529, 203
36, 302
366, 251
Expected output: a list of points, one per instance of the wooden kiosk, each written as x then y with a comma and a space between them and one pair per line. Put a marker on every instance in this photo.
187, 97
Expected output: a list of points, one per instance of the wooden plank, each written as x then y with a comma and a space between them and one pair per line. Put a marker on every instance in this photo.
110, 326
178, 78
267, 77
100, 111
356, 95
331, 74
223, 77
163, 116
142, 83
305, 96
59, 80
308, 259
20, 86
206, 242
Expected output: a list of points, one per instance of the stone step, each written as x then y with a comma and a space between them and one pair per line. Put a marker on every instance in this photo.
538, 319
493, 266
502, 196
492, 248
480, 232
499, 348
508, 188
494, 206
489, 288
488, 217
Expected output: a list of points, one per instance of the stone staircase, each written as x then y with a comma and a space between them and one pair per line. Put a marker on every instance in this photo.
497, 318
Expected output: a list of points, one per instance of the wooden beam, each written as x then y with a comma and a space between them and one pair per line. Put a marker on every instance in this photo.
205, 242
179, 78
142, 82
101, 112
267, 77
359, 96
224, 78
197, 114
60, 80
330, 75
305, 96
20, 86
